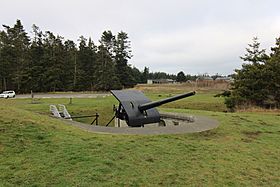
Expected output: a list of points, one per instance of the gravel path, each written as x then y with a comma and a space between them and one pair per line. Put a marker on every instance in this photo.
64, 95
201, 124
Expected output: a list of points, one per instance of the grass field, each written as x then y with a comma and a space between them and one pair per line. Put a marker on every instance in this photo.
37, 150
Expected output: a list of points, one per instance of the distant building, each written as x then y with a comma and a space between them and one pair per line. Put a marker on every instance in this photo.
224, 79
218, 83
204, 78
160, 81
149, 81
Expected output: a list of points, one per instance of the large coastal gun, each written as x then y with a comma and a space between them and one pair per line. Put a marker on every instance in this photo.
137, 110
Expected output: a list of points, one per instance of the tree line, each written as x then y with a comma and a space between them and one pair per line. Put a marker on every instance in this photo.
47, 62
257, 83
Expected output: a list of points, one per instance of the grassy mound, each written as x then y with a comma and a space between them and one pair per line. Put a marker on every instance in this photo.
37, 150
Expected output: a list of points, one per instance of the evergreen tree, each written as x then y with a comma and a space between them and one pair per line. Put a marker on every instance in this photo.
145, 75
108, 41
122, 53
158, 75
106, 77
47, 62
37, 66
21, 44
272, 72
137, 75
181, 77
87, 64
54, 59
15, 48
92, 67
254, 83
254, 53
249, 82
80, 61
191, 77
5, 60
70, 74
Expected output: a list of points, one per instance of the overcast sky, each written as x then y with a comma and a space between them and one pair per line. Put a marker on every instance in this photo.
194, 36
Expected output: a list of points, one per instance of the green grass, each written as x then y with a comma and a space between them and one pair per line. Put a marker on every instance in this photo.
104, 106
37, 150
200, 101
79, 107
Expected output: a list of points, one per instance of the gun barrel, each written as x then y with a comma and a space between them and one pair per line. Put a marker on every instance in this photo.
153, 104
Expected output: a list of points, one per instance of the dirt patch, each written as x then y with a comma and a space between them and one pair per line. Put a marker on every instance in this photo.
208, 133
250, 135
263, 123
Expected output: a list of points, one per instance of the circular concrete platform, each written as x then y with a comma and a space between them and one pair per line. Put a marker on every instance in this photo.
200, 124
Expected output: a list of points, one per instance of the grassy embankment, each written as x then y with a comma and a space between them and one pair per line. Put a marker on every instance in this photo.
41, 151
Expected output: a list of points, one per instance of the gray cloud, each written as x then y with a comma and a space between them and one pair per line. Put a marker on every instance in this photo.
193, 36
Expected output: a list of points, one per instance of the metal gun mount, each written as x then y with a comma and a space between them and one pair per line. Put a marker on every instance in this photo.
136, 109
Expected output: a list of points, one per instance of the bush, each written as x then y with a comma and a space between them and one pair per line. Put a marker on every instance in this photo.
230, 103
225, 93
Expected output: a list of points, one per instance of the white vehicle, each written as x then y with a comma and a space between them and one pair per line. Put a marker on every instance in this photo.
8, 94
